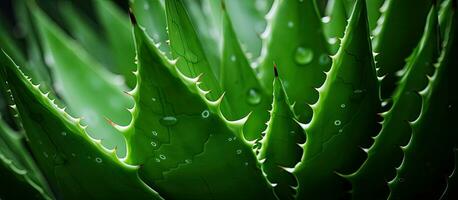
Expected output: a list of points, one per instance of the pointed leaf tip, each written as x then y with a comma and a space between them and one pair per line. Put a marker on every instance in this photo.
275, 70
133, 20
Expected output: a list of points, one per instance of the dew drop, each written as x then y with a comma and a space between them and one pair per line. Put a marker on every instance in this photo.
253, 96
63, 133
343, 105
157, 160
205, 114
325, 59
154, 133
332, 40
168, 121
98, 160
239, 151
188, 161
337, 122
162, 157
233, 58
153, 144
229, 139
246, 163
146, 6
340, 130
303, 55
326, 19
154, 99
290, 24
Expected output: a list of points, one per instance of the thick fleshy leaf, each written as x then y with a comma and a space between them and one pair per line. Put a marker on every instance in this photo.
344, 117
385, 154
63, 149
19, 176
117, 28
87, 89
429, 154
280, 148
335, 23
303, 60
373, 12
187, 48
249, 16
396, 36
206, 18
181, 140
243, 91
150, 14
86, 34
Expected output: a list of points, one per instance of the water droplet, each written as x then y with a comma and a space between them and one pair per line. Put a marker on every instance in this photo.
153, 144
229, 139
63, 133
326, 19
332, 40
343, 105
154, 99
168, 120
146, 6
292, 132
233, 58
154, 133
290, 24
239, 151
167, 42
337, 122
98, 160
253, 96
205, 114
303, 55
157, 160
49, 59
324, 59
188, 161
162, 157
246, 163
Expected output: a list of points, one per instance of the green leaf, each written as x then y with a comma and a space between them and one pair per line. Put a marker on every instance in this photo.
396, 35
281, 147
117, 28
334, 23
85, 86
20, 177
303, 61
344, 117
429, 154
63, 149
249, 16
86, 34
181, 140
151, 15
206, 18
187, 48
385, 154
373, 12
243, 91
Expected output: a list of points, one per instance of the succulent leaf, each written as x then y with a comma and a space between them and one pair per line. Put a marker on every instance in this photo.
71, 65
392, 45
281, 146
243, 91
335, 22
386, 152
187, 48
181, 139
117, 28
305, 60
63, 149
20, 177
344, 117
433, 134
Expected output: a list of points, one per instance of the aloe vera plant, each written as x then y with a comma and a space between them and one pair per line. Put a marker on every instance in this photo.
214, 99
